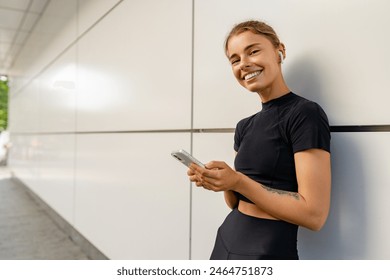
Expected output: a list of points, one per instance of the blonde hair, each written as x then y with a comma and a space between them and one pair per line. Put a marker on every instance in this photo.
257, 27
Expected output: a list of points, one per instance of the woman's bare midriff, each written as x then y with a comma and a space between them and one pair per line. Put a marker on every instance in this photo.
251, 209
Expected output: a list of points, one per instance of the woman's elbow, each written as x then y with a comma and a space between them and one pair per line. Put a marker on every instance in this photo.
316, 226
231, 199
316, 221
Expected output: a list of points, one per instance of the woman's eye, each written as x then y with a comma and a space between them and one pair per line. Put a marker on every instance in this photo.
254, 52
234, 61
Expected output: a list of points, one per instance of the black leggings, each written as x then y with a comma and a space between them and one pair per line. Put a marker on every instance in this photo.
243, 237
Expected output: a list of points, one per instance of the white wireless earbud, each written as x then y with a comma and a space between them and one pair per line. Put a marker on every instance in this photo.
281, 57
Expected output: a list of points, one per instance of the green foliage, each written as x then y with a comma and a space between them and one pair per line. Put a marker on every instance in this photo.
3, 105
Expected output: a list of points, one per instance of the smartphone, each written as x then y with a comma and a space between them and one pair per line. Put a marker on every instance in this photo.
186, 158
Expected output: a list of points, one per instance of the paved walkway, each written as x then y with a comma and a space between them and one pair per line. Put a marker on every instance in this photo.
26, 230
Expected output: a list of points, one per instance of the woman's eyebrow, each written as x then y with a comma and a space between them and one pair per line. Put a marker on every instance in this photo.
245, 49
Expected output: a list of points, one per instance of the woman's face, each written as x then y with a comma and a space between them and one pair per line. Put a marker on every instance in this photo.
255, 61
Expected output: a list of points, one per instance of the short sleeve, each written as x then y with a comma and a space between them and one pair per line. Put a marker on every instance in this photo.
309, 128
240, 131
237, 136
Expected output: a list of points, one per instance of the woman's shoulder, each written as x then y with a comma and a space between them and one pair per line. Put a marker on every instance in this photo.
245, 121
302, 106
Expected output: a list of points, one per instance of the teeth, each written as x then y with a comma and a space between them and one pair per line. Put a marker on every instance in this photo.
251, 75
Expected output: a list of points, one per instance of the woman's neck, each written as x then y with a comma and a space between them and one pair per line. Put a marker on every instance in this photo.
275, 91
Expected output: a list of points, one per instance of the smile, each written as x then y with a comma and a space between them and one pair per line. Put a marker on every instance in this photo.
251, 75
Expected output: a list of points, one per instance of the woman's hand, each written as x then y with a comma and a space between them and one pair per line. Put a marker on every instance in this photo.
217, 176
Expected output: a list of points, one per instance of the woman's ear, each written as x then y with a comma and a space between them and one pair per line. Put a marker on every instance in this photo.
281, 57
282, 52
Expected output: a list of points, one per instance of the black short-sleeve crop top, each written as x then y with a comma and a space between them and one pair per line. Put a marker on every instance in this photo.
266, 142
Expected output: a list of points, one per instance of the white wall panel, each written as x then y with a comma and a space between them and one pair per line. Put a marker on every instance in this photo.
89, 11
24, 108
54, 32
45, 163
132, 197
24, 158
357, 226
58, 89
337, 55
209, 208
55, 180
137, 77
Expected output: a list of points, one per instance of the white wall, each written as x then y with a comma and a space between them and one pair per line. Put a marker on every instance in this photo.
106, 89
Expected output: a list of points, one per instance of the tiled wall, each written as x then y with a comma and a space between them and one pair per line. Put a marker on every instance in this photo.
106, 90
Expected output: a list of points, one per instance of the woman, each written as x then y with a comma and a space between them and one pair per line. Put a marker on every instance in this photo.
282, 176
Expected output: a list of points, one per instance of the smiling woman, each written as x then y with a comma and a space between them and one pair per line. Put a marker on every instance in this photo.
282, 171
255, 53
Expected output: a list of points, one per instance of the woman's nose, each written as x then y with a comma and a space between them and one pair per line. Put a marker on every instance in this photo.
245, 63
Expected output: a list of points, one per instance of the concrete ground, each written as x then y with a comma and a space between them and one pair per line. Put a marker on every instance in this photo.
27, 232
